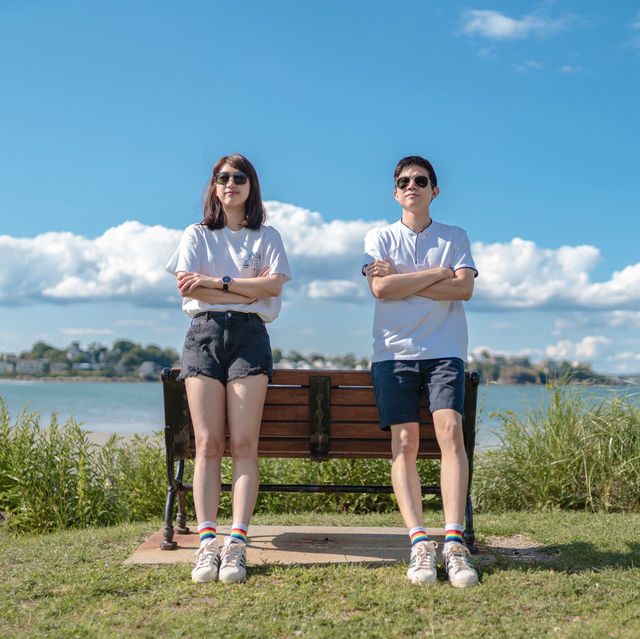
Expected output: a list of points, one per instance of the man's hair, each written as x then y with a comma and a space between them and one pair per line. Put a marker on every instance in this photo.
416, 160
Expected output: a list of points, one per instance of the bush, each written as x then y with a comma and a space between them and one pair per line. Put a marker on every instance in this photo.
56, 478
573, 451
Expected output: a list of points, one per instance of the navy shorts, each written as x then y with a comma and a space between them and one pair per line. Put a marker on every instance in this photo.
398, 384
226, 345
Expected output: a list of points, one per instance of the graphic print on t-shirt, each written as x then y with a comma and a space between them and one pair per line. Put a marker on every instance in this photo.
251, 263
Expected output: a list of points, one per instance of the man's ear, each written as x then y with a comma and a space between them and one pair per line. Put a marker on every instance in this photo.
395, 194
436, 192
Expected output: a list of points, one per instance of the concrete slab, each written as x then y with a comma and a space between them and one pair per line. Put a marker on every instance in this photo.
298, 545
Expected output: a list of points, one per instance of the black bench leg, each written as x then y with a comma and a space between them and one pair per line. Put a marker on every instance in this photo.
168, 543
181, 515
469, 534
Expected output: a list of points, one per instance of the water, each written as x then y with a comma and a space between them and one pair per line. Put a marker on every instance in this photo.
110, 407
136, 407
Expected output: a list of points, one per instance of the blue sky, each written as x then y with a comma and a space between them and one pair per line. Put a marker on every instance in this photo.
112, 115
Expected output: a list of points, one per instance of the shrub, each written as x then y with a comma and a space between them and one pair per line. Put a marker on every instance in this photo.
573, 451
54, 477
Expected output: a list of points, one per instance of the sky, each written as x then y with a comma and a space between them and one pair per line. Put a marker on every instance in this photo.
113, 114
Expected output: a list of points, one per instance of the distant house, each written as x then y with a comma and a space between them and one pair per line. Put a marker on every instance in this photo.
147, 369
58, 367
6, 367
29, 366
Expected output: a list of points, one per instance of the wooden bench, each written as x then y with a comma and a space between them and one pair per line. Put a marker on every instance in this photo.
312, 414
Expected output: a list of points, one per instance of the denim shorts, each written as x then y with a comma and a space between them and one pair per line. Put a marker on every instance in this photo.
398, 384
226, 345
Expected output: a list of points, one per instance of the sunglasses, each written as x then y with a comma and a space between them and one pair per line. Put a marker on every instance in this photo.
420, 180
238, 178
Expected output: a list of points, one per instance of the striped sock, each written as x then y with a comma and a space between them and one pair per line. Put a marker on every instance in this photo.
206, 530
239, 533
418, 533
453, 533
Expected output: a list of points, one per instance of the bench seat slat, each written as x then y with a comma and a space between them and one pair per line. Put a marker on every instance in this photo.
281, 395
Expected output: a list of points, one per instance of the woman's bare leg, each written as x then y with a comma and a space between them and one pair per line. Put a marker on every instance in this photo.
207, 403
245, 401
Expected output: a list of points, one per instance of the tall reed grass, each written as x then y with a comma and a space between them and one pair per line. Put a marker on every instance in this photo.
54, 477
572, 451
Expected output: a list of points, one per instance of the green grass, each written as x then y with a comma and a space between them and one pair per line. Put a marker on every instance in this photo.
74, 584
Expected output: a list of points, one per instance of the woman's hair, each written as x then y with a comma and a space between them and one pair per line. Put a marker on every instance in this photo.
214, 215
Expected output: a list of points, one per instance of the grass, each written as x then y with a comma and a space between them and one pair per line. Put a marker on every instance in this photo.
74, 584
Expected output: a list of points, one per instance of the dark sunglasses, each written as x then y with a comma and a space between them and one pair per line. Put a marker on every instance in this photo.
420, 180
238, 178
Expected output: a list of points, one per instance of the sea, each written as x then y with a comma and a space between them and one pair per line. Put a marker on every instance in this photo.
136, 407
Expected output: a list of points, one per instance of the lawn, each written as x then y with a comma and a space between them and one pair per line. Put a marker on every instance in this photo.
74, 584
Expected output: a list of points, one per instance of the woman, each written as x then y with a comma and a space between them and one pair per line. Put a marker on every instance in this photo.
230, 269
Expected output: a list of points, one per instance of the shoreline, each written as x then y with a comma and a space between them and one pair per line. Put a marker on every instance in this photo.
79, 378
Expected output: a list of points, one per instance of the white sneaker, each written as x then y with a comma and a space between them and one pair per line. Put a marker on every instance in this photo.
207, 562
233, 561
422, 566
457, 565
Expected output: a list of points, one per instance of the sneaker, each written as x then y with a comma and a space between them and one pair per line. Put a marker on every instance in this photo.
233, 561
458, 566
207, 562
422, 566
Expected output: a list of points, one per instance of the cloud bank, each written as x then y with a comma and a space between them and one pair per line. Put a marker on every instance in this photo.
127, 262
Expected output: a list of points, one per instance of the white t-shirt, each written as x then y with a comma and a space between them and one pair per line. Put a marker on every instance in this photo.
416, 327
242, 253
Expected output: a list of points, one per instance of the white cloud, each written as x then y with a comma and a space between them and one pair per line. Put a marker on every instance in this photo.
127, 263
603, 319
521, 275
567, 68
585, 350
529, 65
338, 290
636, 24
497, 26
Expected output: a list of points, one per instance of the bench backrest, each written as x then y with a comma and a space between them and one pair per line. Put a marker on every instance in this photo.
316, 414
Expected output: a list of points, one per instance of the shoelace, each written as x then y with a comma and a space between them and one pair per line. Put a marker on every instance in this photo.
231, 554
424, 559
459, 557
205, 555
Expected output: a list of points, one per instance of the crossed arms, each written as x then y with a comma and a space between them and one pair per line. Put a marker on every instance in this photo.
441, 283
246, 290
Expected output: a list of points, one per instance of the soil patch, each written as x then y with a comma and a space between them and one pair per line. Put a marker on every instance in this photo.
519, 547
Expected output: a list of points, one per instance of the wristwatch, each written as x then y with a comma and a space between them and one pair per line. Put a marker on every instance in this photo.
226, 280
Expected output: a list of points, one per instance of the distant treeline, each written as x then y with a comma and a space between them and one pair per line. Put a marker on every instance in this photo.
128, 359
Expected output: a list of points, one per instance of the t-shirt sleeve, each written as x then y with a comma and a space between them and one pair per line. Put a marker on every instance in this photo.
275, 256
186, 256
373, 248
462, 257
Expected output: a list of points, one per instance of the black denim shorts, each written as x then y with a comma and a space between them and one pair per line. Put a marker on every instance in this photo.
398, 384
226, 345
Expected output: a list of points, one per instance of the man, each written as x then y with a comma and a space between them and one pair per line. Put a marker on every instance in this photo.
419, 272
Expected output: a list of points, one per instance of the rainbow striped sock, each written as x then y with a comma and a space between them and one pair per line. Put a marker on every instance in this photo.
418, 533
239, 533
206, 530
453, 533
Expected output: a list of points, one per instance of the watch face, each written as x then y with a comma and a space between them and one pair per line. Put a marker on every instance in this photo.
226, 279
